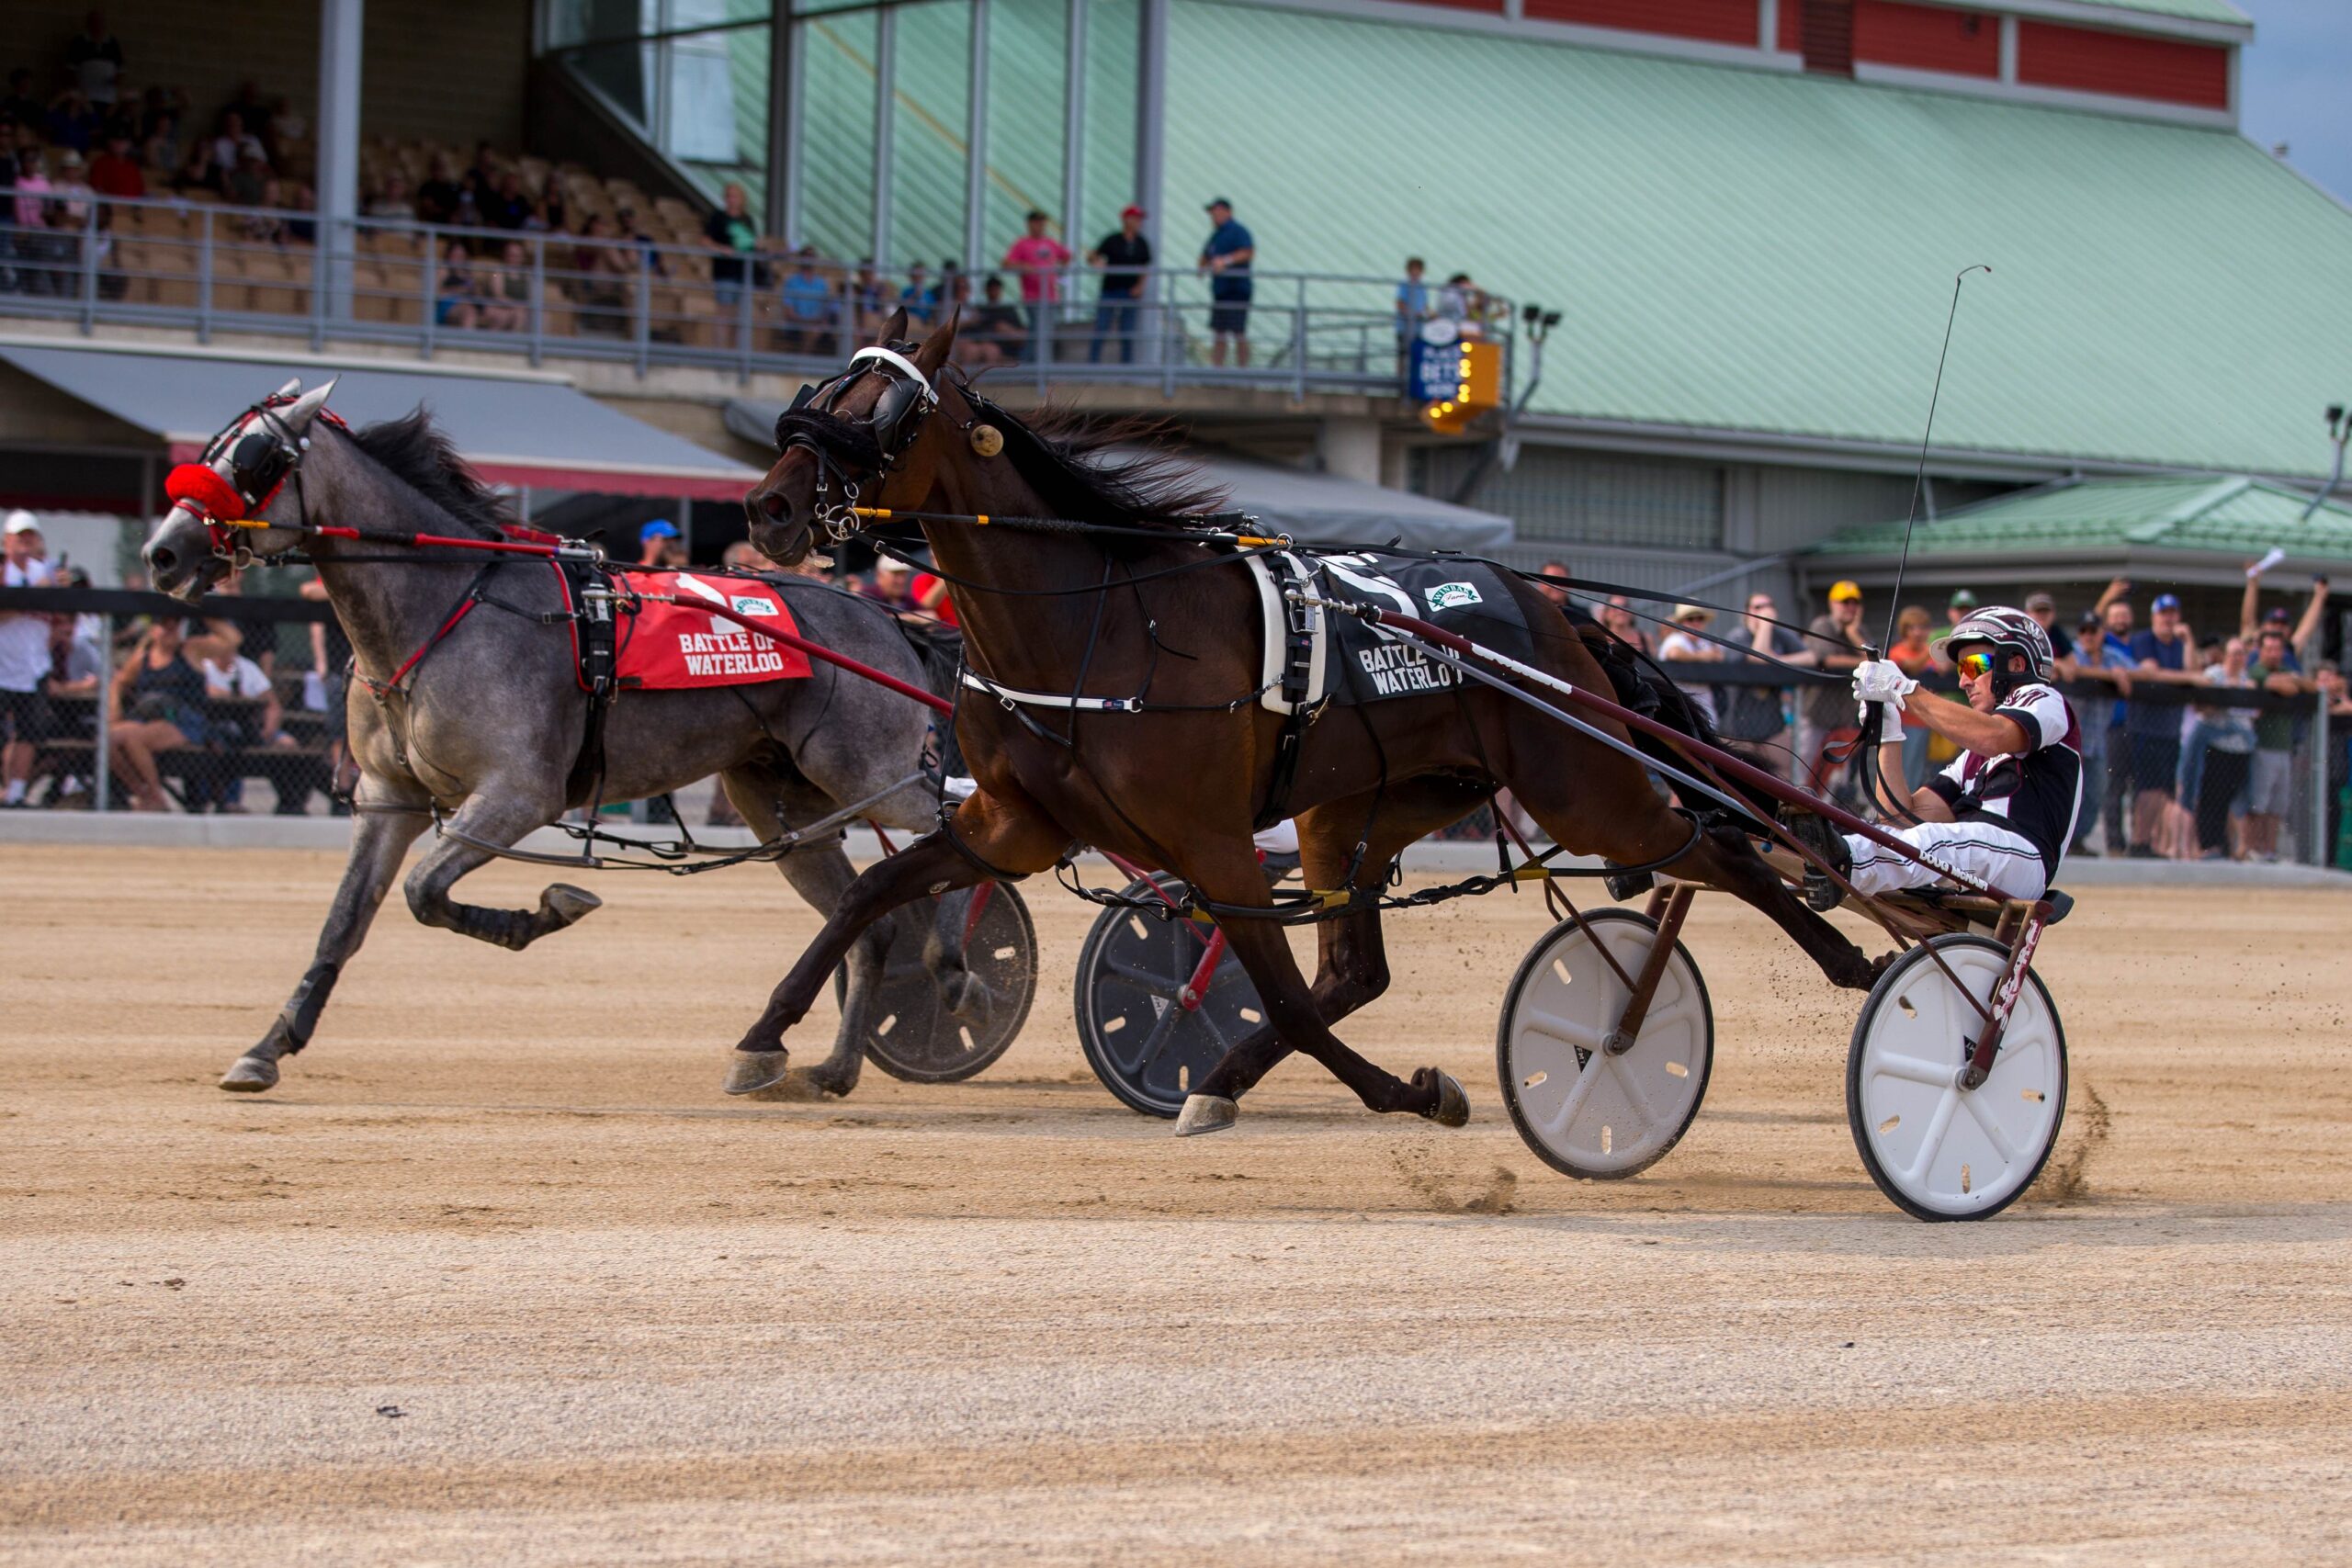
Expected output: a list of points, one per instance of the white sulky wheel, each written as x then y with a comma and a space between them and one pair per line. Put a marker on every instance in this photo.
1582, 1110
1939, 1151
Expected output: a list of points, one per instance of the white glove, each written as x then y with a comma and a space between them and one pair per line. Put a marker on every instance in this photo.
1883, 682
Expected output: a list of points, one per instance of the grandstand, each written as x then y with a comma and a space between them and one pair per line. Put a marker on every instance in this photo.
1747, 212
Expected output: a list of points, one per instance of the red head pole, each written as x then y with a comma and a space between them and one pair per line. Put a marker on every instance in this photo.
818, 651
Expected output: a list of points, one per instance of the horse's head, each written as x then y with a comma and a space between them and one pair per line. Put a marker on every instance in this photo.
238, 482
856, 440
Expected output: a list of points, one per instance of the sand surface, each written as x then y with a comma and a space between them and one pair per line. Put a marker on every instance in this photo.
497, 1275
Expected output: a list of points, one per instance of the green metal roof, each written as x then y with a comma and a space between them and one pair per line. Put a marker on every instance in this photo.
2223, 514
2191, 10
1758, 250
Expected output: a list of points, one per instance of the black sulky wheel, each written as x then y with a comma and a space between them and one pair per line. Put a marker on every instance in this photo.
1142, 1040
915, 1035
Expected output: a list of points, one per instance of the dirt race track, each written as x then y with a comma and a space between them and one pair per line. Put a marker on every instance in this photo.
497, 1275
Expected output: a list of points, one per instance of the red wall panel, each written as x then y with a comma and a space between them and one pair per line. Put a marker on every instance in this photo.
1928, 38
1492, 8
2051, 55
1714, 21
1792, 26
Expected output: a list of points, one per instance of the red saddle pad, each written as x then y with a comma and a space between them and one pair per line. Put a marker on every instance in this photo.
664, 646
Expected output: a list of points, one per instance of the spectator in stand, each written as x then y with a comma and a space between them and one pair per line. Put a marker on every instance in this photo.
436, 198
1619, 617
249, 185
1412, 304
115, 172
1825, 711
19, 107
507, 289
933, 598
2217, 753
1755, 722
2044, 610
95, 57
507, 206
233, 685
2270, 779
25, 719
1453, 303
393, 203
658, 548
1036, 259
1916, 658
2161, 653
871, 300
72, 122
744, 556
892, 586
1958, 608
921, 300
455, 302
807, 299
2252, 625
1124, 257
2117, 661
36, 269
1683, 643
230, 150
731, 232
998, 330
599, 264
1226, 258
157, 703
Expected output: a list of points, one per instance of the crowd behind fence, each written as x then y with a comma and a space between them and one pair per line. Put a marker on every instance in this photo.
211, 266
239, 708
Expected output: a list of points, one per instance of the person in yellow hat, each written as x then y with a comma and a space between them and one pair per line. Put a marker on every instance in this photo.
1823, 709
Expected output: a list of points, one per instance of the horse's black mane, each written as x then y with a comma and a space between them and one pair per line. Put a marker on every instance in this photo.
1079, 471
416, 452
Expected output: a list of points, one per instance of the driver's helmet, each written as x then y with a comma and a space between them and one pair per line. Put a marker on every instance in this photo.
2008, 631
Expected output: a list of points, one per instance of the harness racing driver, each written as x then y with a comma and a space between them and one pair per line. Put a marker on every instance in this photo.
2002, 812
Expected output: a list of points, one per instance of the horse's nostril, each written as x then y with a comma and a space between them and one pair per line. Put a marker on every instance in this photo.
772, 505
161, 559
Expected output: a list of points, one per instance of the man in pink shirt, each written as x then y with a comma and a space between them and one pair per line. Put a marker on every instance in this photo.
1037, 258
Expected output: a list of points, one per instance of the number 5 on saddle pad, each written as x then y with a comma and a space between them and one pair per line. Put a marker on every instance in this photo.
664, 643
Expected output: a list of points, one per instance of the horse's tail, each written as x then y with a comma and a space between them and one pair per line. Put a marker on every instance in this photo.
1643, 685
940, 648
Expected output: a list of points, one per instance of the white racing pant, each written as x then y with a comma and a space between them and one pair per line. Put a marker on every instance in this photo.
1989, 852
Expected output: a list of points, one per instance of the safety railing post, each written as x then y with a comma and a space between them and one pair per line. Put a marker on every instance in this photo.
744, 323
1171, 343
538, 300
641, 329
89, 266
104, 756
324, 270
1298, 345
2321, 851
204, 277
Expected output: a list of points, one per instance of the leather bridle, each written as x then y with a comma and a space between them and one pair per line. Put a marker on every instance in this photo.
262, 453
876, 444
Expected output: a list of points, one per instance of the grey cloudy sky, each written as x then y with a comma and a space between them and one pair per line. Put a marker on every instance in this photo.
2297, 85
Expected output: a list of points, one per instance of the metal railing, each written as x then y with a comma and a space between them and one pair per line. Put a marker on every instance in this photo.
207, 266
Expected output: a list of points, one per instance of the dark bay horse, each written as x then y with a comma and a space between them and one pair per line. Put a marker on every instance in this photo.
1179, 789
490, 723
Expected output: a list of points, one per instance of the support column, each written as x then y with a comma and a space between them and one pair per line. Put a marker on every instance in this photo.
1151, 123
780, 212
1074, 127
886, 98
338, 151
976, 151
1350, 448
2010, 51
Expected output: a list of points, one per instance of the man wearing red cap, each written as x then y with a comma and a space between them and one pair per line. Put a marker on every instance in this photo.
1123, 255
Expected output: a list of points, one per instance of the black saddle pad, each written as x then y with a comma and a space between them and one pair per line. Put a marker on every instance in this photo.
1467, 598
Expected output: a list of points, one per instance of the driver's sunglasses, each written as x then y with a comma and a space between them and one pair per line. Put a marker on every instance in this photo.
1974, 666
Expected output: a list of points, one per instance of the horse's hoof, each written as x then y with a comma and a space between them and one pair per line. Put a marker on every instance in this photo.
569, 903
797, 1089
971, 1002
752, 1071
251, 1075
1453, 1107
1205, 1113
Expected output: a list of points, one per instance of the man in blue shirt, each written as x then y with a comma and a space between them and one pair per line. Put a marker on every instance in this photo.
2155, 728
1226, 258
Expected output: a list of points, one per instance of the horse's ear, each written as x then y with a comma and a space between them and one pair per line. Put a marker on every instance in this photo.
938, 345
895, 328
304, 409
289, 389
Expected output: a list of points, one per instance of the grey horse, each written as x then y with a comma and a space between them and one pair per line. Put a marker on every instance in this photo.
487, 725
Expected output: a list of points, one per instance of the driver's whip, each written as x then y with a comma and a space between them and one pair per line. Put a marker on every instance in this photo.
1919, 479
